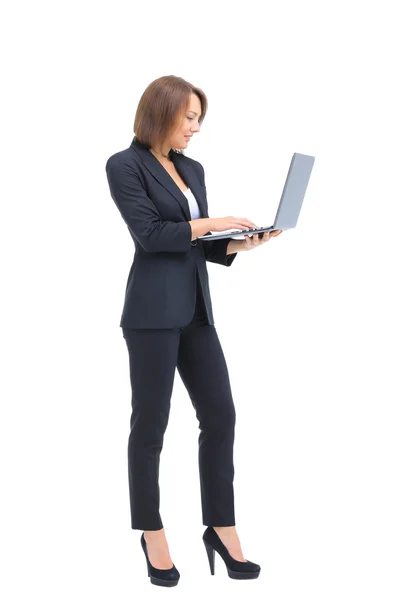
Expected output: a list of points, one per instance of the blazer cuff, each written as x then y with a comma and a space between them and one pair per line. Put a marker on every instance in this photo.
215, 251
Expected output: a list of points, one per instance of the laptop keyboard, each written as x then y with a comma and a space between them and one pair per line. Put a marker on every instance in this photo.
247, 230
243, 231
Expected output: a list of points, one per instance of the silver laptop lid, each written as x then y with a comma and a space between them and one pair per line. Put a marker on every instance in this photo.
294, 191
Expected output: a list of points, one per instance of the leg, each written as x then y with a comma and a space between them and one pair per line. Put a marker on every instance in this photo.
202, 367
203, 370
152, 361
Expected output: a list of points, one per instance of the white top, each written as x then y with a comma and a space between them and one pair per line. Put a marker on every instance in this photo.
193, 206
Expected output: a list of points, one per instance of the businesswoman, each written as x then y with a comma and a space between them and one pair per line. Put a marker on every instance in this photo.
167, 319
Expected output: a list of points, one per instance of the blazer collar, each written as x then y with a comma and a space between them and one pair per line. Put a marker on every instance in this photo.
185, 170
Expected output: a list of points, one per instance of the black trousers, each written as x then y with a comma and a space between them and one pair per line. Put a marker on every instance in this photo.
154, 355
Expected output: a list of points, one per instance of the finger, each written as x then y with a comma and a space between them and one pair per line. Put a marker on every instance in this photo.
250, 242
248, 223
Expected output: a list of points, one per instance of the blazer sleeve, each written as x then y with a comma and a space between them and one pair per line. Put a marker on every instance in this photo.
215, 250
140, 213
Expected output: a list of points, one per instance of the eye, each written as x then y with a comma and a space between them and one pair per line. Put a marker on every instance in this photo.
190, 118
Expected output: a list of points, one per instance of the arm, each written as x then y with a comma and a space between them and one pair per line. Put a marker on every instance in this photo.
141, 215
235, 246
216, 251
221, 252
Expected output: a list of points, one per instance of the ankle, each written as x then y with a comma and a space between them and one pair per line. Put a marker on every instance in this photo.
154, 535
226, 529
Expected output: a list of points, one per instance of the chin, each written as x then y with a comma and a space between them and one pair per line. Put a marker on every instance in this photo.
179, 147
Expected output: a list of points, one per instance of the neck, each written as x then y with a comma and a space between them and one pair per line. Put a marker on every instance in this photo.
159, 154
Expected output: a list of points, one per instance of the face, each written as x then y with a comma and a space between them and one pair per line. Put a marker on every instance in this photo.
189, 124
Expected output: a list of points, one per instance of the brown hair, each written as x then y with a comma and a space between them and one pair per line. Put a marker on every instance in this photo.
162, 105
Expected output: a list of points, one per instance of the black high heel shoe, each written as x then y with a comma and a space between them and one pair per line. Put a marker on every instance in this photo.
236, 568
167, 577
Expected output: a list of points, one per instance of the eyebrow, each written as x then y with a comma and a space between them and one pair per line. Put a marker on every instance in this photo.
192, 111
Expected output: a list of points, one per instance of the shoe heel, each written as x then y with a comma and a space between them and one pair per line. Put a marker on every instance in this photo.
164, 577
211, 556
236, 569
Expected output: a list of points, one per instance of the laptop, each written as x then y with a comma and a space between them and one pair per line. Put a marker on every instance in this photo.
289, 206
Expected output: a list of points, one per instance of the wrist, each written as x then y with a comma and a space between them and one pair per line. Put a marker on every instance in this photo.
211, 224
236, 246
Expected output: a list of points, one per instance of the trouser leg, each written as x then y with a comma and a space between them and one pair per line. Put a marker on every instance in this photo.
152, 363
203, 370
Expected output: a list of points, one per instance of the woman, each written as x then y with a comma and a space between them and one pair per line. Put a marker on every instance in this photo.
168, 323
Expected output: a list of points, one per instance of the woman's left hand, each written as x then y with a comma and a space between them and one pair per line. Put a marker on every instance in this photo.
249, 243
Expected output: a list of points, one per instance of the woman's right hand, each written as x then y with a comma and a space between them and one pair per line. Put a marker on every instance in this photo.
224, 223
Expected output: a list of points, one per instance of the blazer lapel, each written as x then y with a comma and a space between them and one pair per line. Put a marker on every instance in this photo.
185, 170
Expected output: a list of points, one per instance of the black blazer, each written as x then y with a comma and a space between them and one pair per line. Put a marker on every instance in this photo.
160, 291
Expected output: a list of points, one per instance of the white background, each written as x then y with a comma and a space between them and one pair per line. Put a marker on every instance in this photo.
308, 322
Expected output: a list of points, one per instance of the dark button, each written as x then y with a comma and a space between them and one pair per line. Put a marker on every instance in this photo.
194, 242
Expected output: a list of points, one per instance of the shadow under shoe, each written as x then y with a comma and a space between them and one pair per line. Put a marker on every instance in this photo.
236, 568
166, 577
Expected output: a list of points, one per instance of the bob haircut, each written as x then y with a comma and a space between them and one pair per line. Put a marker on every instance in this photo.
161, 108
